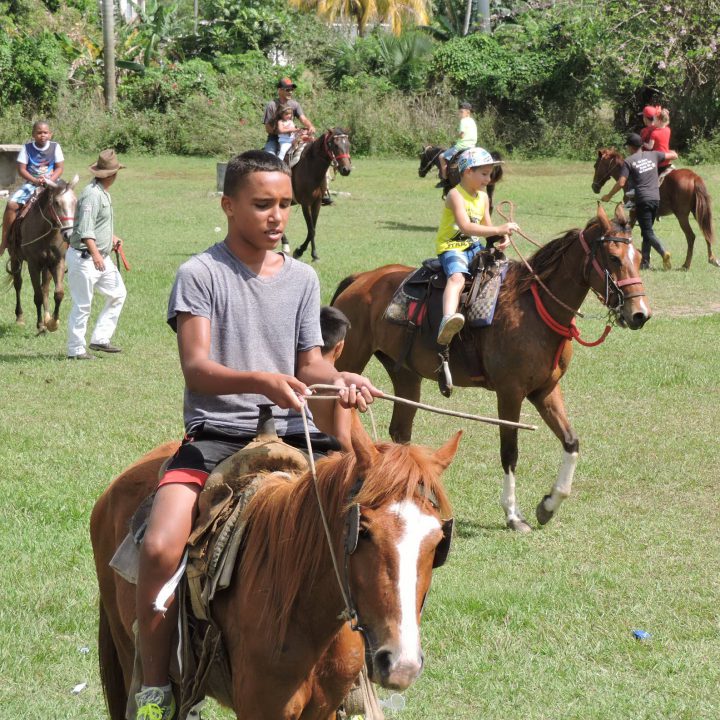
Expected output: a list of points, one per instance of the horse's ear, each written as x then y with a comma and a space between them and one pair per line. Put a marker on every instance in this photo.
444, 455
51, 183
600, 152
603, 218
620, 216
362, 445
74, 181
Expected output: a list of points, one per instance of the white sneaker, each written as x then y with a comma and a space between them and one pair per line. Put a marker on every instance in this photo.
450, 326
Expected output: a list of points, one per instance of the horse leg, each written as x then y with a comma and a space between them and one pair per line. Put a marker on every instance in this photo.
16, 272
37, 283
311, 232
58, 275
315, 215
45, 287
406, 384
551, 407
684, 221
509, 409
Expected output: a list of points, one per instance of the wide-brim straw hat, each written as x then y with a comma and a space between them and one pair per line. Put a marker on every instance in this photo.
107, 164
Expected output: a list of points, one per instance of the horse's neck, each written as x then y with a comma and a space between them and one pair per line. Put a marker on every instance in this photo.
318, 162
568, 284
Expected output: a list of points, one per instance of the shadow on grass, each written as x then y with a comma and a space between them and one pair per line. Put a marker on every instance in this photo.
471, 529
393, 225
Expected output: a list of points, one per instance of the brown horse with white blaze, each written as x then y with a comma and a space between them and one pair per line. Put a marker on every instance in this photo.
309, 178
39, 239
682, 193
520, 355
292, 656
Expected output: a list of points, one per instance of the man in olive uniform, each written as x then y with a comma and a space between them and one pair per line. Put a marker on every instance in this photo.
89, 266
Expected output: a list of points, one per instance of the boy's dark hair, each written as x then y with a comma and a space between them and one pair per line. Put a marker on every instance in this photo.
38, 123
249, 162
465, 106
334, 326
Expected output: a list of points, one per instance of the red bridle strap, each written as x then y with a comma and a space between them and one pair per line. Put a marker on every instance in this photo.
567, 332
330, 154
598, 268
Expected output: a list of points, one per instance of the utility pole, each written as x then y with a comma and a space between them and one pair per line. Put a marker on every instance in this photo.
484, 7
108, 21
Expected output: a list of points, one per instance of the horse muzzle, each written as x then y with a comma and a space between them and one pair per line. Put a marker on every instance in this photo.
344, 170
596, 187
393, 671
66, 232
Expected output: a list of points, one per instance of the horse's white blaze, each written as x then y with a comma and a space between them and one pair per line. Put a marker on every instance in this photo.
563, 484
508, 500
416, 527
641, 301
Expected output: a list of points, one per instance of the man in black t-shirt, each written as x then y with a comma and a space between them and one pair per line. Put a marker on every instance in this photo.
640, 170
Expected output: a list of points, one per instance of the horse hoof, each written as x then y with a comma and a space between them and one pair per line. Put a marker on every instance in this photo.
714, 261
315, 258
41, 331
297, 254
543, 515
52, 324
20, 322
519, 525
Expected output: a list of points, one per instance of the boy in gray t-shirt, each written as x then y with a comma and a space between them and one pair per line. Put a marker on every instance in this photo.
248, 326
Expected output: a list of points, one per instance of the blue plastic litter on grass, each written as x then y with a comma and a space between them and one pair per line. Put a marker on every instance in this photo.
641, 634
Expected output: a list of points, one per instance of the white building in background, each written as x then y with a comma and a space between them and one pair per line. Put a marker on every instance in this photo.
127, 11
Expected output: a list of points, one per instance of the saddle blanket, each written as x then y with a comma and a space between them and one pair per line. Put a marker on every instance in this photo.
410, 303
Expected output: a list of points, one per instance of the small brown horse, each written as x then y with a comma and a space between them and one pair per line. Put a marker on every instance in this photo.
519, 356
292, 656
681, 193
309, 178
430, 157
39, 240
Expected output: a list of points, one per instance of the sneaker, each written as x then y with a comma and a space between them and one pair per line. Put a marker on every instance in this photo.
82, 356
105, 347
667, 265
154, 703
450, 326
645, 265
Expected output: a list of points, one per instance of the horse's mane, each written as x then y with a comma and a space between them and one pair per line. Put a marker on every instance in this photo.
544, 263
286, 543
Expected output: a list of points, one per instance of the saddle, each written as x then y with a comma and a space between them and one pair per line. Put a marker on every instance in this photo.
664, 173
300, 142
417, 304
14, 232
200, 665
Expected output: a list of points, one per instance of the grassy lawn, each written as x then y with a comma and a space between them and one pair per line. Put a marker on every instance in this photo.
516, 628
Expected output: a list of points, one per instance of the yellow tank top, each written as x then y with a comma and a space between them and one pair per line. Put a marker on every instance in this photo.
449, 236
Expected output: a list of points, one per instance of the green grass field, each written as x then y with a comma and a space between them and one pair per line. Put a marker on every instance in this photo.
536, 627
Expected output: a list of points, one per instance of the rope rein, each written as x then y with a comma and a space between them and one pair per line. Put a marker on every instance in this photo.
424, 406
349, 613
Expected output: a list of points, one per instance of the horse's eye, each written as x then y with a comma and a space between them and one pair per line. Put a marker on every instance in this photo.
615, 260
364, 532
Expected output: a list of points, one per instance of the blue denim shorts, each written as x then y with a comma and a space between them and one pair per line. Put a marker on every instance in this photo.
450, 153
22, 195
457, 261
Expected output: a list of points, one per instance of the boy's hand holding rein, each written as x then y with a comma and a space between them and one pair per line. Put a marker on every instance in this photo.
356, 391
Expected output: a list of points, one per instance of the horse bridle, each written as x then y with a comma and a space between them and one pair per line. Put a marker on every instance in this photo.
58, 218
333, 157
352, 536
607, 177
611, 284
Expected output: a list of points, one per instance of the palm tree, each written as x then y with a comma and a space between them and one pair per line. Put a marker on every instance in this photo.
366, 11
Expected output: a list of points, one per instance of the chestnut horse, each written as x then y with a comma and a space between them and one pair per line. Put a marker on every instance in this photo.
682, 192
291, 654
309, 179
39, 240
519, 356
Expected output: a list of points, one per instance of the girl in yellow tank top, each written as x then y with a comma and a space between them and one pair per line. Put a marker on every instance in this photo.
465, 219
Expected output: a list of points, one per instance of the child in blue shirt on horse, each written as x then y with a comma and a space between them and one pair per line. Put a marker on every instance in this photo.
39, 160
465, 218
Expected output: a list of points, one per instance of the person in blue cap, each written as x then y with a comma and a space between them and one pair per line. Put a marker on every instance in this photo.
465, 219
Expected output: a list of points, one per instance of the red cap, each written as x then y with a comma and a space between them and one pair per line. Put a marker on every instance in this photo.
650, 111
286, 83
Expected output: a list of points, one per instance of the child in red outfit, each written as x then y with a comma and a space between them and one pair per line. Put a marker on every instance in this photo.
649, 114
660, 137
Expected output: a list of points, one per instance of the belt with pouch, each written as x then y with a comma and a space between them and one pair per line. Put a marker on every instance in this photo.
85, 253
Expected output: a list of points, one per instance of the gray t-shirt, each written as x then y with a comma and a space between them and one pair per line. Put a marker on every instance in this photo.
271, 110
256, 324
641, 169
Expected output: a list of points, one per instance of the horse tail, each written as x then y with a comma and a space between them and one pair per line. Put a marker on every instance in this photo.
344, 285
497, 171
703, 211
111, 675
